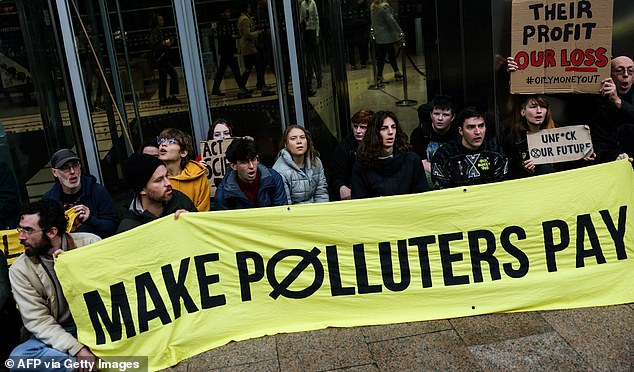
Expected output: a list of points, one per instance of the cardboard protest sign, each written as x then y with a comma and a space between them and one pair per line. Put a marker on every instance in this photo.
213, 154
559, 144
561, 46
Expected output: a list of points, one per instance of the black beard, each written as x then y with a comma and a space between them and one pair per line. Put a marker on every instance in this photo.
42, 250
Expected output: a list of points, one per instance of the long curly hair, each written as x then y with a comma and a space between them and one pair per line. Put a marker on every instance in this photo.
371, 148
312, 153
519, 126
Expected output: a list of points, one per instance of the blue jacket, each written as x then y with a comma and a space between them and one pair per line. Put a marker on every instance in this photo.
270, 193
104, 218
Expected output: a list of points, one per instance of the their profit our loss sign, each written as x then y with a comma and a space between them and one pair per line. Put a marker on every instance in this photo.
561, 46
559, 144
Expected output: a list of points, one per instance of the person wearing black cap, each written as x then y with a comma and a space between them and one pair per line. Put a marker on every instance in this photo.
96, 212
153, 194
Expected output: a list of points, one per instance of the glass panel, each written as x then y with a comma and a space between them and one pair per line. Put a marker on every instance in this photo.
393, 91
319, 40
31, 74
239, 60
131, 64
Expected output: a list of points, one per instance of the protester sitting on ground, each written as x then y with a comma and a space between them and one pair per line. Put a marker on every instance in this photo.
186, 175
149, 147
10, 322
612, 128
471, 160
345, 155
153, 194
96, 212
417, 138
9, 198
613, 133
36, 288
219, 130
385, 164
532, 115
249, 184
439, 131
299, 165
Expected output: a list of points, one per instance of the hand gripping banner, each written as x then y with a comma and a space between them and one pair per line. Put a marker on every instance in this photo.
172, 289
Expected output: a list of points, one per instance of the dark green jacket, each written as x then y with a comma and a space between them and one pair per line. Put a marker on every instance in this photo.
133, 217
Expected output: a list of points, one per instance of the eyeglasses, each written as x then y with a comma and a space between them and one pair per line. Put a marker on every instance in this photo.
253, 160
169, 141
68, 166
26, 230
622, 71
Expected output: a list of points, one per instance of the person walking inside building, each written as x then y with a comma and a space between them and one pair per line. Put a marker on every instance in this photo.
160, 44
385, 32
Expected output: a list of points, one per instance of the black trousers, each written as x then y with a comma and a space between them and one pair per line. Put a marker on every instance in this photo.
381, 51
362, 46
250, 61
166, 68
311, 51
231, 62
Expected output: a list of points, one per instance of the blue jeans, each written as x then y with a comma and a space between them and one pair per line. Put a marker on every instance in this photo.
34, 355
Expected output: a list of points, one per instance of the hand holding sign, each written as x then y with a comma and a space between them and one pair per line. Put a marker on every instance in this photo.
213, 155
559, 144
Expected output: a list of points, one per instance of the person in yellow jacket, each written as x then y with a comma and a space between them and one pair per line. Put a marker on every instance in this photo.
186, 175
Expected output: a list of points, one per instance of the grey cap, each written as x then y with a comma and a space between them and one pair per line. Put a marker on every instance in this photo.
61, 157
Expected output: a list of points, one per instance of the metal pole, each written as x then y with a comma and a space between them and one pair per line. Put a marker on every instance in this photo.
376, 85
278, 61
135, 101
78, 91
405, 101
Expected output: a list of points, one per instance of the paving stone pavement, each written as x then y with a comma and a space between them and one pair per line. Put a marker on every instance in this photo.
597, 339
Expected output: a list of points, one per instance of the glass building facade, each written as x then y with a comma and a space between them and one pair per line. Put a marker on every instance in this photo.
87, 74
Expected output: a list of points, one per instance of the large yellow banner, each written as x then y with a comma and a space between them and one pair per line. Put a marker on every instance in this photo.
172, 289
11, 247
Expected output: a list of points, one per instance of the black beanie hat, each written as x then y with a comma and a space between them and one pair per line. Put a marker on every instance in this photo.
139, 169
